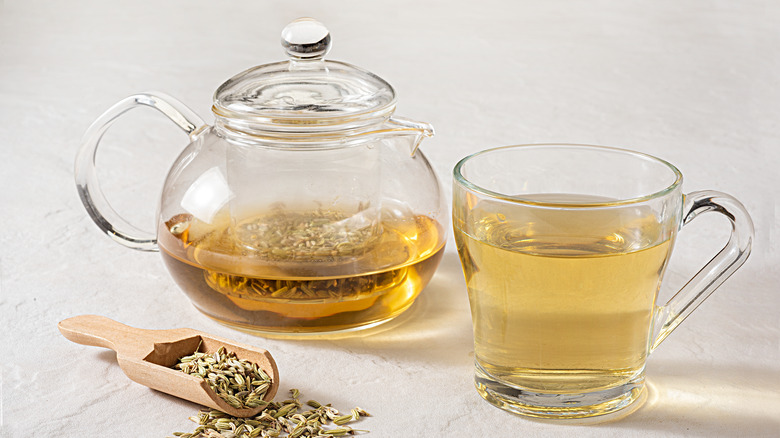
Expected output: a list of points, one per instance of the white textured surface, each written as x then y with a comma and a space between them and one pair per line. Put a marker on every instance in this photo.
694, 82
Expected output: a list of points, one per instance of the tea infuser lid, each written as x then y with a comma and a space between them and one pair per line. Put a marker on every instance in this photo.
306, 93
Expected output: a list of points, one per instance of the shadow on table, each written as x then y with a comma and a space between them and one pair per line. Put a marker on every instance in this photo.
721, 401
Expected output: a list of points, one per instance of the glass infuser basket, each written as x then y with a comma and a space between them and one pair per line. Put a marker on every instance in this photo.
306, 208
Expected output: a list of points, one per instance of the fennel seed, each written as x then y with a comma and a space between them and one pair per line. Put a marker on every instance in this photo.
279, 419
240, 383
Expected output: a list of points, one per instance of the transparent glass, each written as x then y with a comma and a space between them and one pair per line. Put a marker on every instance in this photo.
306, 208
563, 249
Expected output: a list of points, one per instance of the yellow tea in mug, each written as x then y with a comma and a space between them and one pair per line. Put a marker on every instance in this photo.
563, 248
562, 301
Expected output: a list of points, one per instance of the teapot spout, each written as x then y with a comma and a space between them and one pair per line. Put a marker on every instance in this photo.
420, 130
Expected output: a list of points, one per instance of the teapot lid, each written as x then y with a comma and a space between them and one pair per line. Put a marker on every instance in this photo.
305, 93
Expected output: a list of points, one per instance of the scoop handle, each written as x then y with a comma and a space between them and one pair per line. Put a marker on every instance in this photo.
99, 331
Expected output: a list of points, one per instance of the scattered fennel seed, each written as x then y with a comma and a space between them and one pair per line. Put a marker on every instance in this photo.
287, 418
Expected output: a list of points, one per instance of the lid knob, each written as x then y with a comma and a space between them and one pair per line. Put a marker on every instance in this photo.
306, 38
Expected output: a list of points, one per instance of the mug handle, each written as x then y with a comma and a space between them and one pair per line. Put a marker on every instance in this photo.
717, 270
92, 197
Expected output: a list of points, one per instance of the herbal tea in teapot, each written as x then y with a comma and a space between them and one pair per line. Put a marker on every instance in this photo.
301, 270
307, 207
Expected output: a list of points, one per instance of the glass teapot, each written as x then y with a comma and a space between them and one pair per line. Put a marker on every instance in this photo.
306, 208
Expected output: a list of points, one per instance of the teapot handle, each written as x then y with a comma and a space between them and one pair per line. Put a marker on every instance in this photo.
92, 197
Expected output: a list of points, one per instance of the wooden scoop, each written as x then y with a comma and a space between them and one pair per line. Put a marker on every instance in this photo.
147, 357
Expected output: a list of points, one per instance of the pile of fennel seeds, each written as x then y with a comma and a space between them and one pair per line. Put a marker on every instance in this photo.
239, 382
279, 419
242, 384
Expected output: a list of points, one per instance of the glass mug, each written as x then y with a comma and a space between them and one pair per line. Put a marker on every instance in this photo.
563, 249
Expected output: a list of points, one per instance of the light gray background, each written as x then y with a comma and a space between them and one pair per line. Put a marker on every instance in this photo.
693, 82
